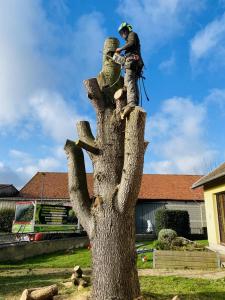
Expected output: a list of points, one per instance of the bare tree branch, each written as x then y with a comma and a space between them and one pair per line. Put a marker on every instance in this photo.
78, 190
133, 159
86, 138
87, 147
145, 145
94, 93
120, 98
84, 132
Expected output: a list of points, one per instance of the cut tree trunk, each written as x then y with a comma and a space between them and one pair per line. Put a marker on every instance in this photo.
117, 166
114, 257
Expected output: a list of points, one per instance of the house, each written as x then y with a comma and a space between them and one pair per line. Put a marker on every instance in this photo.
214, 195
157, 191
7, 191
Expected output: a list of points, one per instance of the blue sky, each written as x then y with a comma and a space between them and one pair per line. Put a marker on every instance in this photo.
49, 47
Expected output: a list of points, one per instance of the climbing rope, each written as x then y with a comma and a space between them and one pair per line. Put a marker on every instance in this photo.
141, 79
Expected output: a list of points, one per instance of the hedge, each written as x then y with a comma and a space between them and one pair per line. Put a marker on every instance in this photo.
177, 220
6, 218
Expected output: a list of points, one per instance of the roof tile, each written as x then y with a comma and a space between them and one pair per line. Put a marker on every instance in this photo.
153, 187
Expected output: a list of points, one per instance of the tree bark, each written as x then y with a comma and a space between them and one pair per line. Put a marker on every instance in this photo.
117, 167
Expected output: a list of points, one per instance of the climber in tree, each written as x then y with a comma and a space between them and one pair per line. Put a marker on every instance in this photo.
133, 64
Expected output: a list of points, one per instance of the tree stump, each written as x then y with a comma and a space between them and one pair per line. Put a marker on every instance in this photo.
78, 272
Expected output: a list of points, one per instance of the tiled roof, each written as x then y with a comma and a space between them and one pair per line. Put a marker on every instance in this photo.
215, 174
2, 186
153, 187
8, 190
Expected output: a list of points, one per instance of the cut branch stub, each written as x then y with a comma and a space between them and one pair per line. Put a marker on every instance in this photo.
78, 190
120, 98
84, 131
145, 145
94, 93
87, 147
133, 159
86, 138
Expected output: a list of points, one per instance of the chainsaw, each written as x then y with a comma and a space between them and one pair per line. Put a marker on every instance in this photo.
117, 58
121, 60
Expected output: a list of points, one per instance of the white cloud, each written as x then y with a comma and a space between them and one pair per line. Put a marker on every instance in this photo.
22, 157
43, 164
161, 167
55, 116
209, 43
23, 30
158, 21
42, 68
177, 134
49, 163
9, 176
37, 54
168, 65
26, 164
43, 63
216, 98
88, 41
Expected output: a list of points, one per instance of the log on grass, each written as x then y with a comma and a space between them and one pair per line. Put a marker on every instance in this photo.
43, 293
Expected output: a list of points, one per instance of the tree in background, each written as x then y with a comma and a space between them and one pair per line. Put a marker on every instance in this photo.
117, 154
6, 219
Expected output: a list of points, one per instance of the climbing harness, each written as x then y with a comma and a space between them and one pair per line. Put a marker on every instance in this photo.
121, 60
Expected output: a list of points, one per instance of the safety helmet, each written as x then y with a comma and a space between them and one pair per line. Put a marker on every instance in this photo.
125, 25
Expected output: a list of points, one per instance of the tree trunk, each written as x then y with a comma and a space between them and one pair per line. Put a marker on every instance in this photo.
114, 257
117, 155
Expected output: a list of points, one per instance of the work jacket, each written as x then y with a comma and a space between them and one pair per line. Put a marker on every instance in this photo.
132, 45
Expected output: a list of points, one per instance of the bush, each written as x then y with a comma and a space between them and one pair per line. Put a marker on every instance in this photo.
158, 245
178, 242
165, 238
167, 235
6, 219
177, 220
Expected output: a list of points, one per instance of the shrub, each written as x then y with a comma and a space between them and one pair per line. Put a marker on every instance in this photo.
178, 242
167, 235
177, 220
6, 219
158, 245
165, 238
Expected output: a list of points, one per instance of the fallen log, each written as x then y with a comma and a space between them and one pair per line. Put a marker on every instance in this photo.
43, 293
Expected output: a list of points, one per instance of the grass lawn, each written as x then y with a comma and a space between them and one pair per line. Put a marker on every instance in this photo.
165, 288
80, 257
154, 288
60, 259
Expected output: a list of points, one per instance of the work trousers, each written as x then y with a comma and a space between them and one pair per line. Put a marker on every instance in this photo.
131, 84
